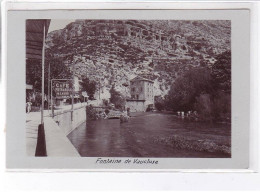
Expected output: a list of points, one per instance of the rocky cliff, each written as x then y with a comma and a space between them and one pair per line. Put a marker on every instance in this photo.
115, 51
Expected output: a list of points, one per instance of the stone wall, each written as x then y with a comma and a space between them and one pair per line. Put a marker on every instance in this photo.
67, 122
136, 105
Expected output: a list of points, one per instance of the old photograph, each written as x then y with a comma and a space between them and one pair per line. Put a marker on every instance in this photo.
128, 88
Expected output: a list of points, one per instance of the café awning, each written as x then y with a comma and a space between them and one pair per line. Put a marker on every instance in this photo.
34, 37
36, 31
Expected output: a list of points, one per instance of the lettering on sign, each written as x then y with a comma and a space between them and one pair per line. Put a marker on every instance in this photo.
63, 89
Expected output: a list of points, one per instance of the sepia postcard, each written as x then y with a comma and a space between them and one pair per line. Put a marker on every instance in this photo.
128, 89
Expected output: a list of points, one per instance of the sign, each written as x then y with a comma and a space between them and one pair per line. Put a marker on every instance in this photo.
63, 89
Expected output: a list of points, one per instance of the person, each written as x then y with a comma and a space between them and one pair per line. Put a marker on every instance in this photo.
105, 115
29, 106
128, 111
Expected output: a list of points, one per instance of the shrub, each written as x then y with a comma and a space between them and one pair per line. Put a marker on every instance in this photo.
107, 111
159, 106
91, 112
105, 102
159, 103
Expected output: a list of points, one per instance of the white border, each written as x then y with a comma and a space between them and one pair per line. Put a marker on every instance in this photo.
240, 91
42, 6
146, 181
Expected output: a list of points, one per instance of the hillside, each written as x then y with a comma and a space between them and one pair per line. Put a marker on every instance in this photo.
115, 51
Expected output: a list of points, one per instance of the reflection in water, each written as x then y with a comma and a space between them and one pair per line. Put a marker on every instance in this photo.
136, 138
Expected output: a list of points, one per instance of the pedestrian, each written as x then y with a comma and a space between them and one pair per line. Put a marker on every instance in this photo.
29, 106
128, 111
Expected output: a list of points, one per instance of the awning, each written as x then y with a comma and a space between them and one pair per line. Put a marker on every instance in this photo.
34, 37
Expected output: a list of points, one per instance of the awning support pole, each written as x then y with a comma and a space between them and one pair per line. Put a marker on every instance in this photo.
49, 88
43, 53
52, 113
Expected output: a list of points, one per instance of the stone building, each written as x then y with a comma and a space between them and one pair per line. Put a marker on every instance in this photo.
142, 94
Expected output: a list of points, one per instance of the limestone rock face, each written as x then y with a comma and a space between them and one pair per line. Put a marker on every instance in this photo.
112, 52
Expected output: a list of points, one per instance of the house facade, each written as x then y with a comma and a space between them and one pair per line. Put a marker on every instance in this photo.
142, 94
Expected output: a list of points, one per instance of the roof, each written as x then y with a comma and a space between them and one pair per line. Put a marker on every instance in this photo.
34, 37
138, 78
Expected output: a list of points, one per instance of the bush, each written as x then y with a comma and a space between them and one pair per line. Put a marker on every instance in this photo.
159, 103
105, 102
159, 106
91, 113
107, 111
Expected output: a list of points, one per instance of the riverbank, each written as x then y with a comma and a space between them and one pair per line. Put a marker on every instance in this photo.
193, 144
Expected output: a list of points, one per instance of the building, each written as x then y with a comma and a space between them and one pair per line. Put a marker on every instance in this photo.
142, 94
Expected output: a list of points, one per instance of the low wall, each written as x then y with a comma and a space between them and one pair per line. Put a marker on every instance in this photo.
68, 122
136, 106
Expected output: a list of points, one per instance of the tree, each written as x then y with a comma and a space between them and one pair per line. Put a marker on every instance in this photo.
34, 72
89, 86
159, 103
117, 99
185, 89
221, 72
204, 106
208, 91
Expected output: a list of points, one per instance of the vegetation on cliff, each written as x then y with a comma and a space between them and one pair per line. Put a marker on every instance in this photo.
115, 50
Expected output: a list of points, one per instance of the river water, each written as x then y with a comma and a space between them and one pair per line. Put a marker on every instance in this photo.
152, 135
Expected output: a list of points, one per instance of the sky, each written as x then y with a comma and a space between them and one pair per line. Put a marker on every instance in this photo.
58, 24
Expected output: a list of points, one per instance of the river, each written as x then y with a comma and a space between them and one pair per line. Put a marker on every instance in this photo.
152, 135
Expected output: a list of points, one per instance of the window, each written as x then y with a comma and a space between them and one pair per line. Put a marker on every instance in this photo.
141, 89
137, 97
133, 89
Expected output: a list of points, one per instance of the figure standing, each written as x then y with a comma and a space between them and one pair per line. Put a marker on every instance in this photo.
29, 106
